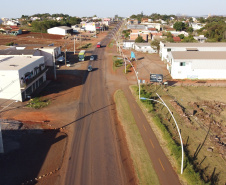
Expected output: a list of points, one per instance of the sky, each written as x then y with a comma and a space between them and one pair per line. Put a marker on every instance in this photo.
101, 8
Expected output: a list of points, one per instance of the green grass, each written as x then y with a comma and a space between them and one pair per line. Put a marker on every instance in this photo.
117, 62
38, 103
85, 46
157, 115
141, 160
111, 44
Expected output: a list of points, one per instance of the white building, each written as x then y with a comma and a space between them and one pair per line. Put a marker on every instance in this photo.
176, 33
200, 38
60, 30
10, 22
35, 18
153, 25
166, 48
20, 76
91, 26
197, 26
76, 28
127, 44
144, 47
197, 64
50, 53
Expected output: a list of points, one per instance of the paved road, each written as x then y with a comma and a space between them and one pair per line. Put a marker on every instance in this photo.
95, 157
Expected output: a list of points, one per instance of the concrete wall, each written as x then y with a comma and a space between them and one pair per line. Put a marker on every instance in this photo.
10, 85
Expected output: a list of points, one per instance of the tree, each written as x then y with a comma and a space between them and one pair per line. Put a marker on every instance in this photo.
139, 39
74, 20
190, 38
126, 33
181, 36
179, 26
190, 29
155, 44
201, 20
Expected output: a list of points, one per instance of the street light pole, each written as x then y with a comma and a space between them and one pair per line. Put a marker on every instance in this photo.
163, 103
182, 148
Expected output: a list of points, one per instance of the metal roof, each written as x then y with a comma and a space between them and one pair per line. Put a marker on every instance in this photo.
64, 27
17, 52
201, 55
143, 44
196, 44
17, 62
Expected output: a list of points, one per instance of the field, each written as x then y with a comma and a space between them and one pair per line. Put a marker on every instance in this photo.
201, 116
66, 42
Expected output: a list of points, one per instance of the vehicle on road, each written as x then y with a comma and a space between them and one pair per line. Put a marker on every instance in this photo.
61, 59
81, 55
90, 68
98, 45
92, 57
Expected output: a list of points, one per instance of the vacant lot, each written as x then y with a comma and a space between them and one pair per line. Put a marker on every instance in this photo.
201, 115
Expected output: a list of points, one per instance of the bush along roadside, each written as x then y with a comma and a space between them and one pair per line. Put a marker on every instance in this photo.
117, 62
190, 175
38, 103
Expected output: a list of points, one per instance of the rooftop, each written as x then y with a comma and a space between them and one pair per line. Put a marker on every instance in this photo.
64, 27
196, 44
143, 44
201, 55
17, 52
17, 62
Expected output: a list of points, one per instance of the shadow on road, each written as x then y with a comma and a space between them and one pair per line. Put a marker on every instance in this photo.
87, 115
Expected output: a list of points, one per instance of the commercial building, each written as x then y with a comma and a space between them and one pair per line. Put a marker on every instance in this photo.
21, 76
166, 48
60, 30
197, 64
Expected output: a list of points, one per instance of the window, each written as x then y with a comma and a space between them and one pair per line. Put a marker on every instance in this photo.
182, 63
168, 49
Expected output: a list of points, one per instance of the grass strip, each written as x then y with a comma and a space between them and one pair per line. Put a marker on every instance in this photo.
189, 174
141, 160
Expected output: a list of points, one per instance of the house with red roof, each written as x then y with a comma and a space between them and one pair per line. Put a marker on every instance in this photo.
176, 39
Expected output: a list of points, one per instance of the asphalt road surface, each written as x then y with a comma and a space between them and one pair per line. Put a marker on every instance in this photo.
95, 156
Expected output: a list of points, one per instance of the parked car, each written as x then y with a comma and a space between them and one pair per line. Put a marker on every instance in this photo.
61, 59
91, 57
90, 68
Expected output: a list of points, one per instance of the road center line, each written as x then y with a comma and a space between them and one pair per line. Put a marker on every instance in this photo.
144, 128
161, 165
151, 143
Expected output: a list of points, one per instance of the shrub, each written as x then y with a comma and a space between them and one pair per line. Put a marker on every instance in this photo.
118, 62
128, 68
37, 103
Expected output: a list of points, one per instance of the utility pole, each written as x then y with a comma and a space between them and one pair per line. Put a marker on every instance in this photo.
54, 65
65, 57
74, 44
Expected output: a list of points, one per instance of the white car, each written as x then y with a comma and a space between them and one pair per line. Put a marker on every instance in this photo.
91, 57
90, 68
